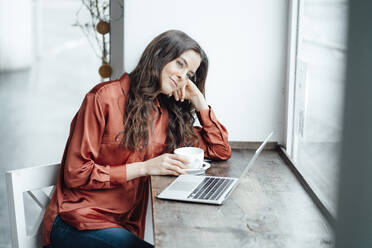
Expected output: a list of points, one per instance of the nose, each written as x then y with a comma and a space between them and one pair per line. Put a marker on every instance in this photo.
182, 74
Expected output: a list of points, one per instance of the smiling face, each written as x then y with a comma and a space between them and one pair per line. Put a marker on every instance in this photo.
175, 74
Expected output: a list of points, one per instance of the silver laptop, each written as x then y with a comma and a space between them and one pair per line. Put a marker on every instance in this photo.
206, 189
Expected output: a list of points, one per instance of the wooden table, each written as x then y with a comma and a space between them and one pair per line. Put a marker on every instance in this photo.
269, 208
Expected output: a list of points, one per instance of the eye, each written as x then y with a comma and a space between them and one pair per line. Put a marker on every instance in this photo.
179, 63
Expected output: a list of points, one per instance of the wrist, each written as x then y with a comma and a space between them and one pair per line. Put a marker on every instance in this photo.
137, 169
143, 169
199, 102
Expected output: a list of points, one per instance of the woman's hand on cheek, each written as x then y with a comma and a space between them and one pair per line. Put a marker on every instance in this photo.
177, 95
188, 91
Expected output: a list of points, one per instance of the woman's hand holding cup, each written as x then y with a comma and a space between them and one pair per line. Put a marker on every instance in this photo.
166, 164
196, 158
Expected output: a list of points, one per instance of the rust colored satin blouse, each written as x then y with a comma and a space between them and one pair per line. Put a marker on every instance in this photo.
92, 191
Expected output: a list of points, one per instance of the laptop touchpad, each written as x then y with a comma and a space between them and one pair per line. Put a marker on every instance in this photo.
182, 185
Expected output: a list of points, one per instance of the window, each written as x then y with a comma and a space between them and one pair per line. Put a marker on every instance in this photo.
318, 94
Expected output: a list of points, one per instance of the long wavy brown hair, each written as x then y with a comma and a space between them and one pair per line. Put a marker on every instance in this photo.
145, 87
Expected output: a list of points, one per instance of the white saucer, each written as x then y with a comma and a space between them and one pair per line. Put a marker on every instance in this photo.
205, 167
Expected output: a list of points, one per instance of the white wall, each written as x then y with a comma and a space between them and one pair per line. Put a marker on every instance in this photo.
245, 41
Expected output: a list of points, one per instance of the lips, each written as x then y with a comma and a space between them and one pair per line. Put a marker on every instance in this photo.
174, 83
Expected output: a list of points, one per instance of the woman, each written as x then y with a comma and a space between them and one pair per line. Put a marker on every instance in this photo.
125, 131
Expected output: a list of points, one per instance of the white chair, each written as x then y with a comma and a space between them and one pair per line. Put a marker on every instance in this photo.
30, 180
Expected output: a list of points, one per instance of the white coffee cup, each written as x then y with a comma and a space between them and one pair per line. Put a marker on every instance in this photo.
194, 154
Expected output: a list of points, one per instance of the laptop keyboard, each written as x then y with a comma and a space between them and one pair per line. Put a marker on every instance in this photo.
211, 188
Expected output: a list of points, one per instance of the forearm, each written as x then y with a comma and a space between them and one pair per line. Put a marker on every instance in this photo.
213, 136
135, 170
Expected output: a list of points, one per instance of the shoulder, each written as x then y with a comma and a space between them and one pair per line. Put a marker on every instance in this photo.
111, 89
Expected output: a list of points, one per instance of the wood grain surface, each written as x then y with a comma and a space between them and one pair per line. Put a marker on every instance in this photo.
268, 209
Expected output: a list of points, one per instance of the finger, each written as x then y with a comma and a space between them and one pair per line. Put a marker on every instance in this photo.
181, 158
178, 95
179, 164
176, 169
171, 172
183, 93
174, 162
175, 95
169, 160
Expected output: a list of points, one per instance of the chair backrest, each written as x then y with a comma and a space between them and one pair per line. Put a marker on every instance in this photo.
30, 180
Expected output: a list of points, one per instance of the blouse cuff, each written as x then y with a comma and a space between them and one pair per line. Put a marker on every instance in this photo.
118, 174
207, 117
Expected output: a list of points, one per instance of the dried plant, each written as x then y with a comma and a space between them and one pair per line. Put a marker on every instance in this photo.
99, 11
